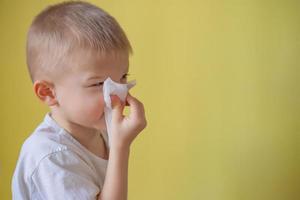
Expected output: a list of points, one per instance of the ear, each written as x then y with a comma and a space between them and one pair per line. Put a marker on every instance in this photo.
45, 92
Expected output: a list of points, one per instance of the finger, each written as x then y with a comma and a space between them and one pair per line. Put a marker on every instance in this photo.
117, 107
136, 107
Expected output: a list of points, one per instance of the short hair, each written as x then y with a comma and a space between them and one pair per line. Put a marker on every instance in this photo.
62, 28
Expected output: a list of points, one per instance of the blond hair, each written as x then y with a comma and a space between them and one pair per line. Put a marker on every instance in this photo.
62, 28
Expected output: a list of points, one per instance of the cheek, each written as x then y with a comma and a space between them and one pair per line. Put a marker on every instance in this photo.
83, 105
95, 106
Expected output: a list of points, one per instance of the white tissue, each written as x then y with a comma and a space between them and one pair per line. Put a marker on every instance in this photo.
113, 88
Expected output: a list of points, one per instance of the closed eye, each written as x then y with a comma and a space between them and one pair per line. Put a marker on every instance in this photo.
97, 84
101, 83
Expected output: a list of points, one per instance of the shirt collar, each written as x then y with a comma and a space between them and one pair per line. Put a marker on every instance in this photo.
50, 121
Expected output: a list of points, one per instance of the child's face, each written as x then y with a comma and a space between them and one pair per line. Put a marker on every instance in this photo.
80, 92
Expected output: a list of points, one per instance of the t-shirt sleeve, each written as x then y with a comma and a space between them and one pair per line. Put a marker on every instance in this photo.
64, 175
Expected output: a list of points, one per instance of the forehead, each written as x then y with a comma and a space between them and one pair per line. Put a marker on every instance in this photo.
90, 62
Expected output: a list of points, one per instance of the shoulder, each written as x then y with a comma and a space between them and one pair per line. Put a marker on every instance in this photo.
64, 175
43, 142
50, 161
65, 162
46, 140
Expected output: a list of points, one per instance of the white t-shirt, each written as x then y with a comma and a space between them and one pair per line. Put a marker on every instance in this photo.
53, 165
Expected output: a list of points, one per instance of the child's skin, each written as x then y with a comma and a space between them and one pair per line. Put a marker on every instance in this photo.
76, 103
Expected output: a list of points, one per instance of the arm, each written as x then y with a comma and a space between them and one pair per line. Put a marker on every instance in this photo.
116, 180
124, 130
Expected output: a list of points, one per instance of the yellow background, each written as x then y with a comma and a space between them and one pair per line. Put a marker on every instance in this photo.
220, 82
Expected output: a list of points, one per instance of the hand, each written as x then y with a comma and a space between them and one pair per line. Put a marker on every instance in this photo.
124, 129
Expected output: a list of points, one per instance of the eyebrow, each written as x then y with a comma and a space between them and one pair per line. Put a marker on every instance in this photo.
95, 77
101, 77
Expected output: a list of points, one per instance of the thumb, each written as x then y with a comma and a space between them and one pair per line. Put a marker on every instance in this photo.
117, 108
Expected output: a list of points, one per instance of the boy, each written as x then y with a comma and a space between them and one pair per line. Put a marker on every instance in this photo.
72, 47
